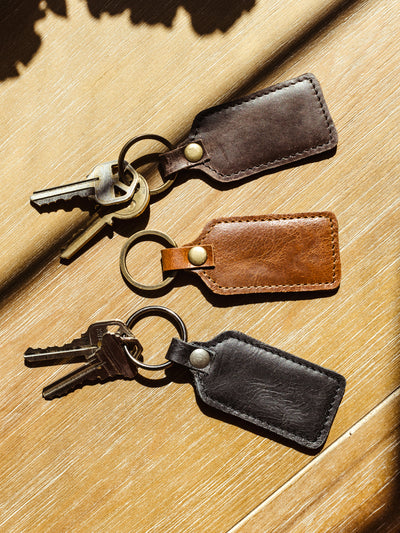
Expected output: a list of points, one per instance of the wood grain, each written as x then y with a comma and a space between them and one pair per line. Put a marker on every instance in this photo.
142, 456
342, 489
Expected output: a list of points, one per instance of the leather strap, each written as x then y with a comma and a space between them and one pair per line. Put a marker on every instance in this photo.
267, 253
290, 397
178, 258
270, 128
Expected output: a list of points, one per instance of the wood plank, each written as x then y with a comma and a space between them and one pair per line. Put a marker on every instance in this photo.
352, 486
94, 83
125, 456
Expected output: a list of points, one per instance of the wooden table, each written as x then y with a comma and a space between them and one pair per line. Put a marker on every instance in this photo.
142, 456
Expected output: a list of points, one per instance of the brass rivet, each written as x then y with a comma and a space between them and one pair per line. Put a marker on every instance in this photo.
193, 152
197, 255
199, 358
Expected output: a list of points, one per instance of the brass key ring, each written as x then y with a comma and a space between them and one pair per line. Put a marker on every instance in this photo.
159, 310
170, 243
130, 143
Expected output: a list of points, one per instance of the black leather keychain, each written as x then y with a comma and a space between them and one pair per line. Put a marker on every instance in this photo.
291, 398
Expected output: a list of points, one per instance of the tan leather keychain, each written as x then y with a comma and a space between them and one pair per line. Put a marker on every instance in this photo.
253, 254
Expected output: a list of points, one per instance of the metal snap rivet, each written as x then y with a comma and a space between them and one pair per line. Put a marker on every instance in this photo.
193, 152
199, 358
197, 255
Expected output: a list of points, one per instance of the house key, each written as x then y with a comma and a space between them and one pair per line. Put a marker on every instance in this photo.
79, 349
109, 361
100, 219
103, 185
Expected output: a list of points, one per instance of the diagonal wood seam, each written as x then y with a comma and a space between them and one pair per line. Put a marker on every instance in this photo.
372, 419
312, 27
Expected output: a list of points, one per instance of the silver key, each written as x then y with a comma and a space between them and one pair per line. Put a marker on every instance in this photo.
102, 185
99, 220
80, 349
108, 362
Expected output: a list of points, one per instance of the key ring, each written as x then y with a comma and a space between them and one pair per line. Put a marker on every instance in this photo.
166, 239
159, 310
153, 157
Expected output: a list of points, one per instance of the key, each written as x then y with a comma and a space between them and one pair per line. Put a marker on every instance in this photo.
79, 349
102, 185
137, 206
109, 361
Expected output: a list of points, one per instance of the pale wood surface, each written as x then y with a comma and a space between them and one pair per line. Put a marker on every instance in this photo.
125, 456
368, 480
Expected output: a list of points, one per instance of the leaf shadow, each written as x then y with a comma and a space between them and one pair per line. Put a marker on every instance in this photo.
20, 41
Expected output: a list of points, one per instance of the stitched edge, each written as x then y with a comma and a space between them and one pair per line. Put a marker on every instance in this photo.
270, 218
284, 355
268, 91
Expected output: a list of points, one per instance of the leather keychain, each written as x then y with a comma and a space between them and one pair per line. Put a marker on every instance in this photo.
253, 254
267, 129
270, 128
291, 398
271, 389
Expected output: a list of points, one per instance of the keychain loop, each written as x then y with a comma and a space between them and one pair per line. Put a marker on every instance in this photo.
166, 239
159, 310
131, 142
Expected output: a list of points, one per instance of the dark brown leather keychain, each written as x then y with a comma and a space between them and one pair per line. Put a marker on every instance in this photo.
291, 398
253, 254
240, 139
267, 129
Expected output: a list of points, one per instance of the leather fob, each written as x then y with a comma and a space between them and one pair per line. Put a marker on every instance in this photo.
265, 254
269, 128
272, 389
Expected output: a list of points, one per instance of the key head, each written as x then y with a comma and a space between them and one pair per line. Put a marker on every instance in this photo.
96, 331
138, 204
109, 189
113, 358
135, 208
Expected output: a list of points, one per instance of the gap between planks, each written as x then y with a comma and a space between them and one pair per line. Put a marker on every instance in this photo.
371, 476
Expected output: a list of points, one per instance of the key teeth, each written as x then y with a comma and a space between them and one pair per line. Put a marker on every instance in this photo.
33, 351
75, 343
75, 351
67, 203
62, 390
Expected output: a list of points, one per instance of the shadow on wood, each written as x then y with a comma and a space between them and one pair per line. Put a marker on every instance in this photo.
19, 41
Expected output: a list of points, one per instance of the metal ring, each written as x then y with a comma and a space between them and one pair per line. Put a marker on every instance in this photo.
128, 245
129, 144
173, 317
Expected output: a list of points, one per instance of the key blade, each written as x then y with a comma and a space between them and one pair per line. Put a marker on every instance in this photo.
57, 356
56, 196
99, 220
79, 349
91, 372
85, 235
108, 362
